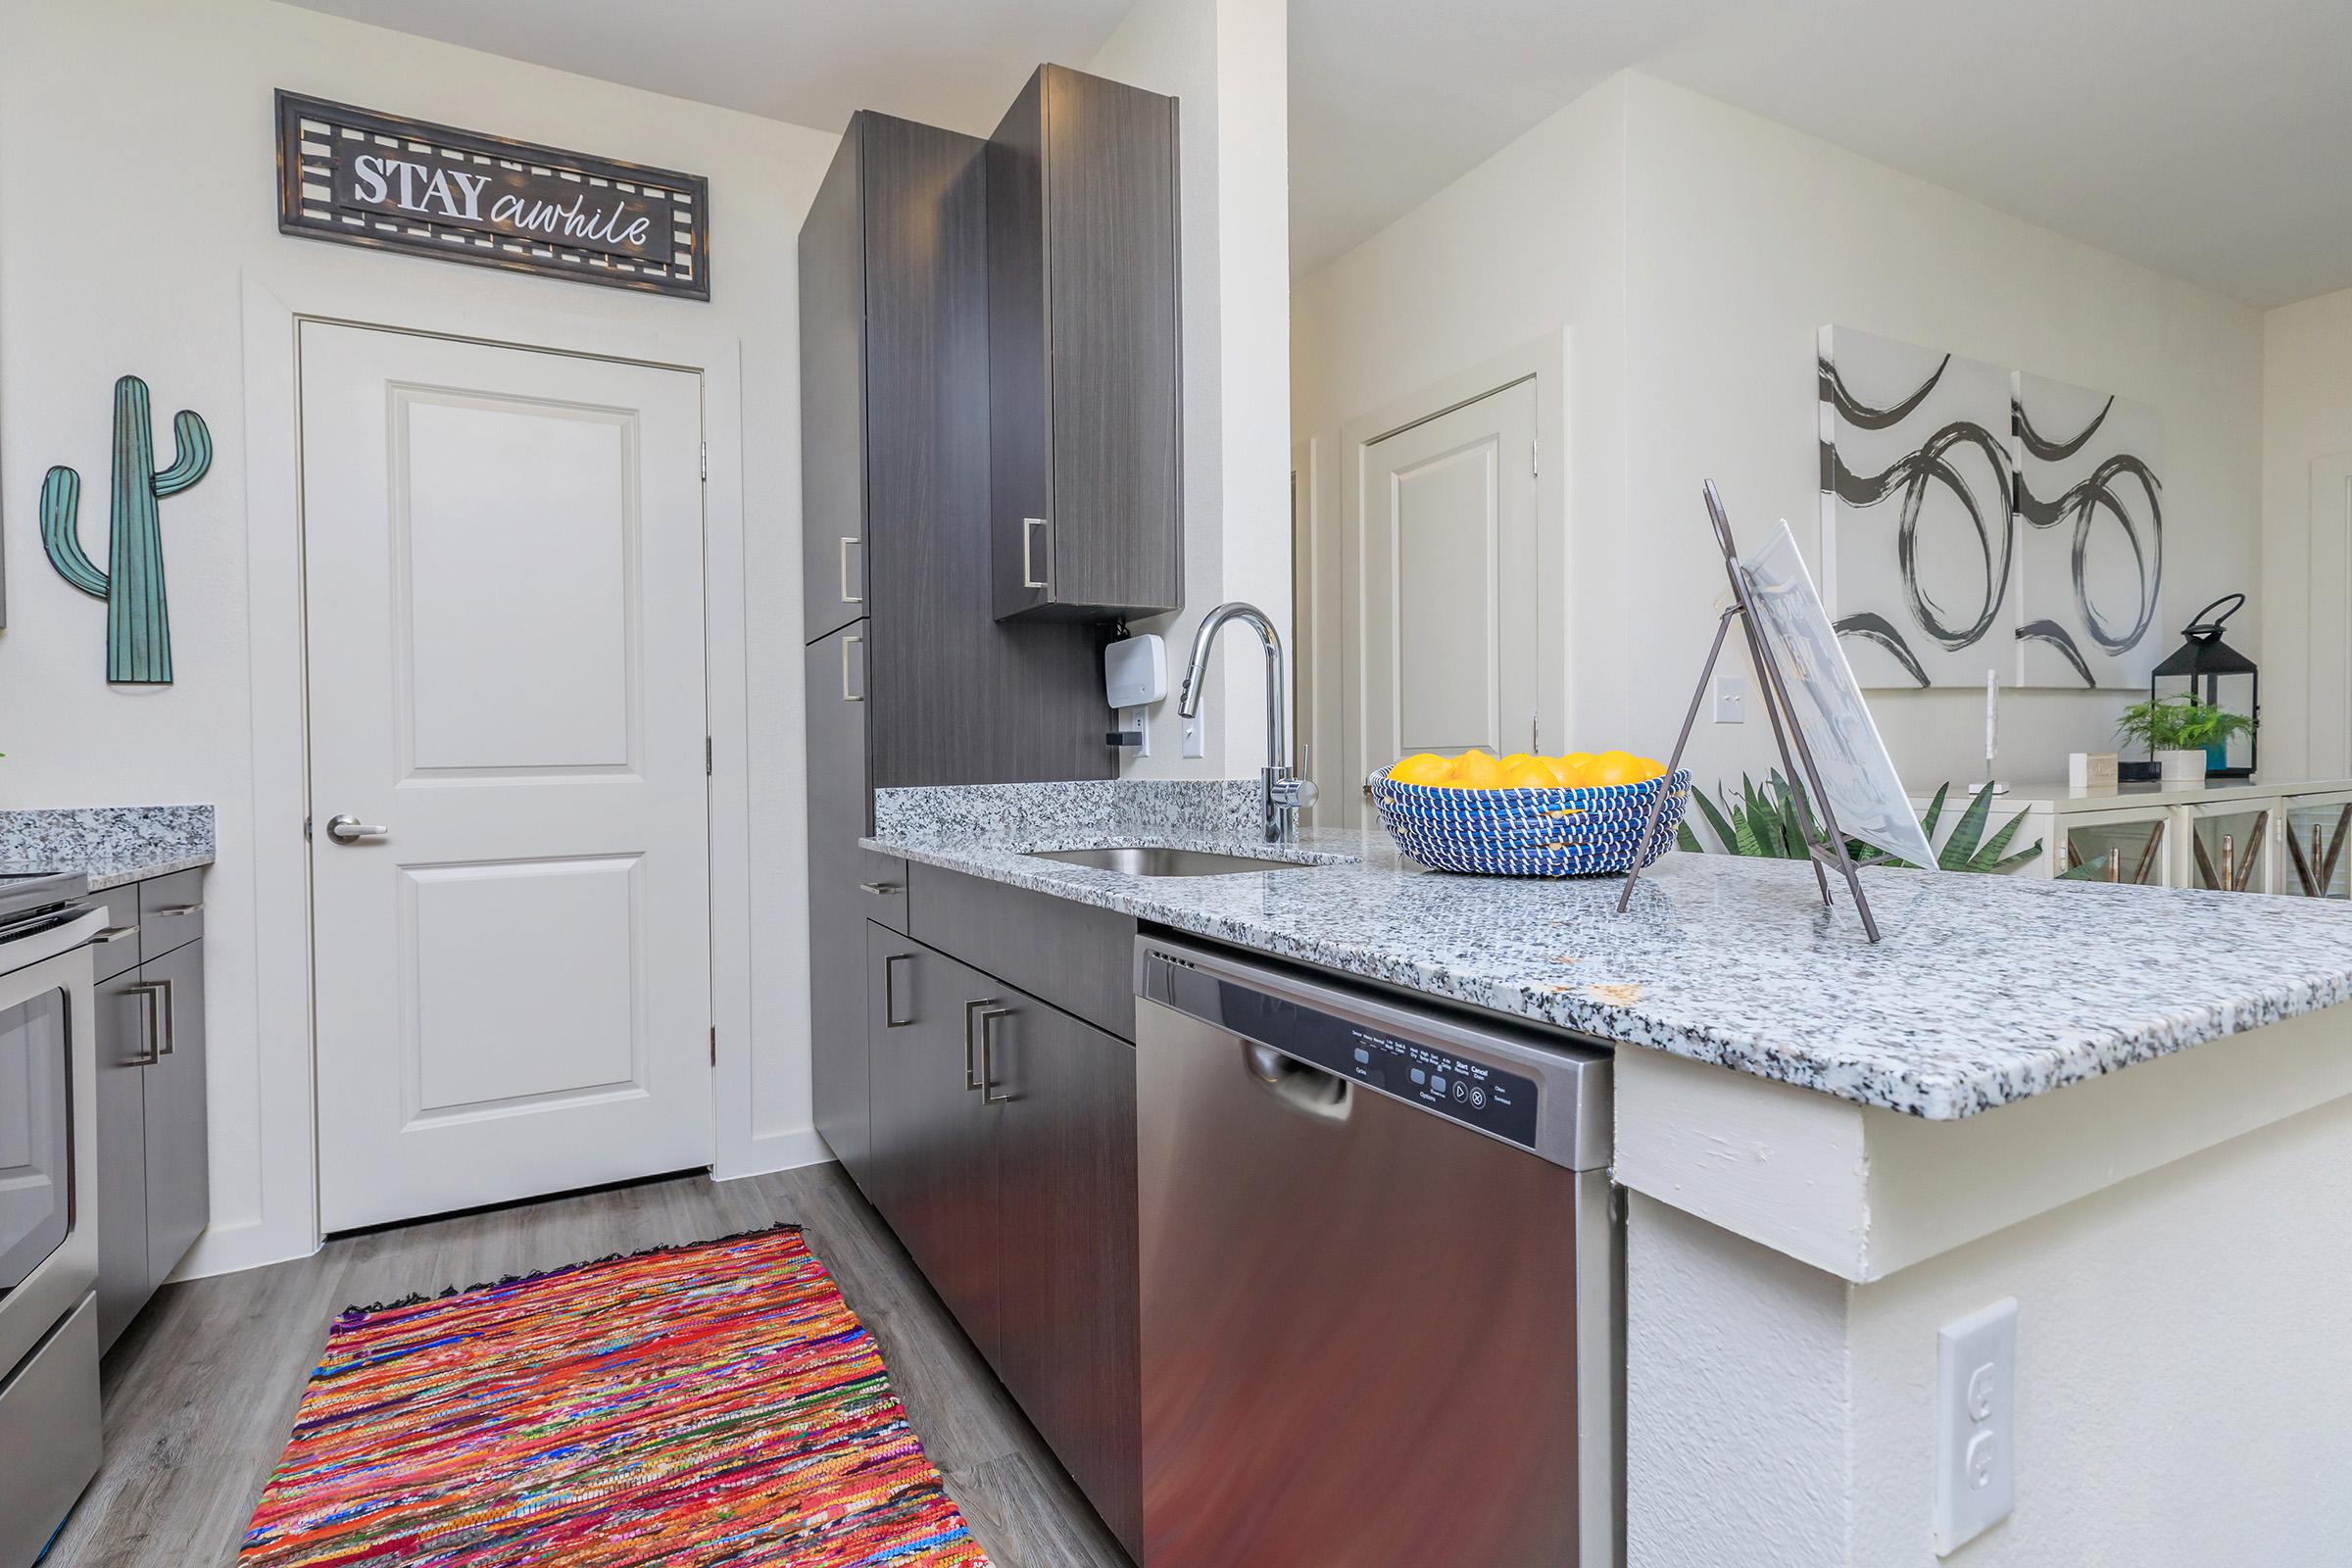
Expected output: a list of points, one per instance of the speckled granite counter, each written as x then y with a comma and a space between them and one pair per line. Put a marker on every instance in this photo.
1985, 991
110, 843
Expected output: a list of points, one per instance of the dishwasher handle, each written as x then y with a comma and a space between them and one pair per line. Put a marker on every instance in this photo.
1306, 1089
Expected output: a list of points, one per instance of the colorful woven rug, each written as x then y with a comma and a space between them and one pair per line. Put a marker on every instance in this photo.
693, 1405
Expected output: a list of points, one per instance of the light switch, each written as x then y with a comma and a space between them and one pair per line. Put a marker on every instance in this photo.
1976, 1410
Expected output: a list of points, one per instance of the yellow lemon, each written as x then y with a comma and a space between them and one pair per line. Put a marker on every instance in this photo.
1476, 770
1422, 768
1528, 773
1615, 768
1572, 770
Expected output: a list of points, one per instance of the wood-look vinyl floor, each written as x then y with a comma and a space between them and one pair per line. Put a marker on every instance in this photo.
201, 1390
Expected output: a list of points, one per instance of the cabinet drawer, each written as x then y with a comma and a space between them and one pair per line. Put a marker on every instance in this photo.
117, 945
1073, 956
49, 1435
171, 912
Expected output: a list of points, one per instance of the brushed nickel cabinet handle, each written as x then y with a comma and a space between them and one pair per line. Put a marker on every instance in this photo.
846, 597
185, 908
1029, 576
847, 695
889, 991
149, 992
117, 933
170, 1014
988, 1055
881, 890
971, 1080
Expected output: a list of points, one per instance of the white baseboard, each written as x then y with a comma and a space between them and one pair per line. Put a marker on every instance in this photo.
789, 1149
233, 1248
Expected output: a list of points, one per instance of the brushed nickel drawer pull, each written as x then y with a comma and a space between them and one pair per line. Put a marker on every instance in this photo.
150, 994
881, 890
847, 695
846, 597
176, 910
1029, 576
988, 1055
115, 933
971, 1080
889, 991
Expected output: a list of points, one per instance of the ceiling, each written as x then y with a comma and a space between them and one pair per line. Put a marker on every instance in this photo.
2214, 143
2210, 142
951, 62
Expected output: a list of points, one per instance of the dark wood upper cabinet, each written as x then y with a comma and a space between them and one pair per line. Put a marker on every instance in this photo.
1085, 353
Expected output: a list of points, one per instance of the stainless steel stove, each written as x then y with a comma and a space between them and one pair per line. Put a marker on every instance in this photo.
49, 1420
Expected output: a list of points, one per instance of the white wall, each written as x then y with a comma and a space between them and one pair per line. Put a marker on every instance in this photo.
1693, 251
136, 207
1226, 62
2307, 414
2181, 1382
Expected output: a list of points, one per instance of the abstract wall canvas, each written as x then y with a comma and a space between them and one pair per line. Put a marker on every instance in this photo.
1917, 548
2090, 537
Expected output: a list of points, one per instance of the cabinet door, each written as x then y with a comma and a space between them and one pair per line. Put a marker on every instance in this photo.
846, 885
178, 1168
935, 1141
123, 1042
1069, 1295
832, 324
1085, 348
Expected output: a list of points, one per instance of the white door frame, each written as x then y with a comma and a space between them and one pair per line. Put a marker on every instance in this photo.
1545, 361
283, 1218
2328, 746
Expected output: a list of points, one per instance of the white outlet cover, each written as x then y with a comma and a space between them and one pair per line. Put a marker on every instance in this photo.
1975, 1423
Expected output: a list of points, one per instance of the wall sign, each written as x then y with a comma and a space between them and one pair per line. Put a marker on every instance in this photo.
363, 178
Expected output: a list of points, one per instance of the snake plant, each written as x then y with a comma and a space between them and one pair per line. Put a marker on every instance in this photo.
1765, 822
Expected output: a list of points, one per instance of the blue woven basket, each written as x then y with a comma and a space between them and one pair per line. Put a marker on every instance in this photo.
1590, 832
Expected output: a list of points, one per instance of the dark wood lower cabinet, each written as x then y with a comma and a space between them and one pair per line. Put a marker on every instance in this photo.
1066, 1214
1004, 1156
934, 1150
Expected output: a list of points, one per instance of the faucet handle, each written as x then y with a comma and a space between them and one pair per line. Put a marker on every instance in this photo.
1296, 792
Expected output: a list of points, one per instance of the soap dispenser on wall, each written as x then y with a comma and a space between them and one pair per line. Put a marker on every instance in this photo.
1135, 675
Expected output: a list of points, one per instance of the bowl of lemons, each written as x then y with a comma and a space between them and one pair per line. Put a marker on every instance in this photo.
1580, 814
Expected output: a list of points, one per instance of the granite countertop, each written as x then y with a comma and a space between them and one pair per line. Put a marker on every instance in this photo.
1985, 990
111, 845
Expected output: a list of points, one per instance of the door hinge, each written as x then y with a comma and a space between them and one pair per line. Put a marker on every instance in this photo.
705, 460
1534, 733
715, 1045
1535, 460
705, 756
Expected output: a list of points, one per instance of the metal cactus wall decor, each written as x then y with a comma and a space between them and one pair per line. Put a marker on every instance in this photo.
138, 622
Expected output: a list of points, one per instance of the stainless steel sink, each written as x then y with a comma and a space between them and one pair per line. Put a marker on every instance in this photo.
1156, 860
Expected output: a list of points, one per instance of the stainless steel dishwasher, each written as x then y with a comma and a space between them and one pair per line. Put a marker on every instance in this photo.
1380, 1279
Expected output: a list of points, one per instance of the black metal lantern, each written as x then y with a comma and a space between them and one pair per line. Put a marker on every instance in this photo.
2208, 668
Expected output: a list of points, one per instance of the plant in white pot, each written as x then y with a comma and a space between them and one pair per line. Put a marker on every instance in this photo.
2177, 730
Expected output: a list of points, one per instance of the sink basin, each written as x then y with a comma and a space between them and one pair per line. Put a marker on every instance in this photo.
1159, 861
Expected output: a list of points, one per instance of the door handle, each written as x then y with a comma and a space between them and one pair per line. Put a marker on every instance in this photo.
150, 995
889, 991
1029, 576
846, 597
970, 1079
988, 1055
847, 695
349, 830
167, 1036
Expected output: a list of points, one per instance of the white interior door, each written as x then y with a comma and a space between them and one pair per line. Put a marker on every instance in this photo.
1447, 555
503, 575
2331, 709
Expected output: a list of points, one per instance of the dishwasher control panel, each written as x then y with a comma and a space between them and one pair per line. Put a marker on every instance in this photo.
1488, 1099
1493, 1100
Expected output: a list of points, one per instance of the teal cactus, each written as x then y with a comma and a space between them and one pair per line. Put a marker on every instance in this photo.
138, 621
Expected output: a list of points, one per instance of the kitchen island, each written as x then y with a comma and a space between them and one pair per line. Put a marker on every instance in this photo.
2123, 1107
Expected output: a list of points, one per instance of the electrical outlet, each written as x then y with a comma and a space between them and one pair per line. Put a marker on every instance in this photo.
1976, 1406
1142, 725
1196, 743
1730, 700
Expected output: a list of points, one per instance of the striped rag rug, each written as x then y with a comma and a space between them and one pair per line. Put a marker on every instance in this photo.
714, 1403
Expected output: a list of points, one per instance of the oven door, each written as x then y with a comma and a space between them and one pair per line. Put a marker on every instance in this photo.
48, 1132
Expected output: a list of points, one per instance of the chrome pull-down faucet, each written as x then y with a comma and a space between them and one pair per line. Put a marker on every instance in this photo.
1281, 793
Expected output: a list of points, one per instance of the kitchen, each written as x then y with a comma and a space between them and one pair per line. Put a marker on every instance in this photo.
898, 916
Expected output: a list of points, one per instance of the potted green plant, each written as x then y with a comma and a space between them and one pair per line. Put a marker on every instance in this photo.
2176, 731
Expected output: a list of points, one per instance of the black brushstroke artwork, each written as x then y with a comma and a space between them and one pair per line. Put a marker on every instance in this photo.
2083, 504
1915, 473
